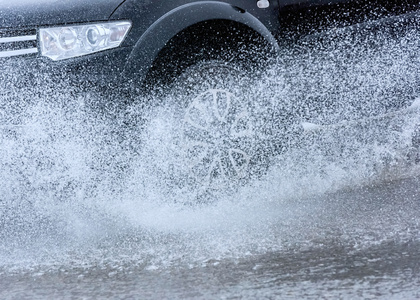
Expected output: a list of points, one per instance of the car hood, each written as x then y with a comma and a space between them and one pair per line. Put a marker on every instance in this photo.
25, 13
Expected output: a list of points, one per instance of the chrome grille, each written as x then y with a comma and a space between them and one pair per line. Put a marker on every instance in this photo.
18, 42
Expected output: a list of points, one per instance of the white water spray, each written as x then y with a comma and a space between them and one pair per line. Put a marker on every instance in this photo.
75, 193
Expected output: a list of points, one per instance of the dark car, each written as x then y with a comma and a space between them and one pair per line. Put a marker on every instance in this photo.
139, 45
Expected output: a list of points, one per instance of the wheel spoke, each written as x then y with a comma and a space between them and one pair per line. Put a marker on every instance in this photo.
240, 161
221, 104
216, 171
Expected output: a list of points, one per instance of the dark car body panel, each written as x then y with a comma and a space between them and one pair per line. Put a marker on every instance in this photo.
154, 22
283, 3
26, 13
153, 31
182, 13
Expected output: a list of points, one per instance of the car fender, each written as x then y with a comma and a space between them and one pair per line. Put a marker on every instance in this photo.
153, 40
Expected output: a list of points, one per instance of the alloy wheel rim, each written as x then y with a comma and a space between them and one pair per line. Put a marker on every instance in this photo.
216, 128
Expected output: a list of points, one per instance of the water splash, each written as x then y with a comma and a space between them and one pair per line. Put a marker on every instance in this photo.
79, 189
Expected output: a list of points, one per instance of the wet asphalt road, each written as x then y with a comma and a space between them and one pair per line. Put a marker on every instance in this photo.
362, 243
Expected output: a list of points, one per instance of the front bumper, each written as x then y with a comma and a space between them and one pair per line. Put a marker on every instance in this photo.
31, 70
29, 80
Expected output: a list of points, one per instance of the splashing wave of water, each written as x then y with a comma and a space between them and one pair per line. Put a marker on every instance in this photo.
75, 192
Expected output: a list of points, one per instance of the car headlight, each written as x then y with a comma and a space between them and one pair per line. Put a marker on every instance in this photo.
64, 42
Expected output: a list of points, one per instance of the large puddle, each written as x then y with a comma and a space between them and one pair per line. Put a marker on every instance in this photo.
82, 190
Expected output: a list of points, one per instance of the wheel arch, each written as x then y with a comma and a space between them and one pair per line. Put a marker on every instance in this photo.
161, 32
